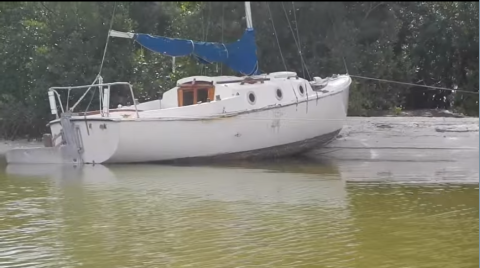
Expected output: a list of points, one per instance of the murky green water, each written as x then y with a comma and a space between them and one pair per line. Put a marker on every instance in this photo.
284, 215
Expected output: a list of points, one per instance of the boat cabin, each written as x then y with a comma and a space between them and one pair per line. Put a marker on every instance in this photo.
195, 92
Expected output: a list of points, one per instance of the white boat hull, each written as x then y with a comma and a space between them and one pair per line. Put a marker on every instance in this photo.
261, 133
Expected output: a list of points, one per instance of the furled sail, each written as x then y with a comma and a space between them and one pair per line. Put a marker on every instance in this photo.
240, 56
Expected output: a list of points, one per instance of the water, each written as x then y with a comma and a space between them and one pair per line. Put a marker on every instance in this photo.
287, 214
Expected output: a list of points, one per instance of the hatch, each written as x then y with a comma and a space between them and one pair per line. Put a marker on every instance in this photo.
195, 92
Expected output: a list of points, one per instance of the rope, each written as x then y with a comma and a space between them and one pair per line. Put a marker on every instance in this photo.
86, 109
101, 64
276, 37
298, 38
206, 15
295, 40
415, 85
84, 94
345, 64
223, 27
208, 20
108, 39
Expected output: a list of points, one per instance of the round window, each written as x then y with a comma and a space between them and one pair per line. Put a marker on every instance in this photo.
279, 94
251, 98
302, 91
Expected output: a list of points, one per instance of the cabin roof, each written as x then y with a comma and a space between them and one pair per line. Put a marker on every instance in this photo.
210, 79
216, 79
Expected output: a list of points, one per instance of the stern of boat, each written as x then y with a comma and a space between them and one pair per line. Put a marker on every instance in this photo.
93, 140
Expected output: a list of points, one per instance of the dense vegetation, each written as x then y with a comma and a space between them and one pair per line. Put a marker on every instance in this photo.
47, 44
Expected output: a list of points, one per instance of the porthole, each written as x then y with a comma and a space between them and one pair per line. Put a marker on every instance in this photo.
251, 97
302, 91
279, 94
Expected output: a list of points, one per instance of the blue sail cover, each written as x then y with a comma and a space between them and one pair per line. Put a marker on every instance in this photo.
241, 55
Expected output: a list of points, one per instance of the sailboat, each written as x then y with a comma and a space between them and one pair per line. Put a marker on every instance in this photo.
250, 116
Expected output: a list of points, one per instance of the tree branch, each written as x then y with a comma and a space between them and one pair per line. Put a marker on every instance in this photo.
372, 9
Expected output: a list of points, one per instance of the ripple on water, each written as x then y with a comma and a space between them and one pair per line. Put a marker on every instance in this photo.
234, 220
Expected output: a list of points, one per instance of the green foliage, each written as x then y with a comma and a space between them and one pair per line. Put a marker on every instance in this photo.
48, 44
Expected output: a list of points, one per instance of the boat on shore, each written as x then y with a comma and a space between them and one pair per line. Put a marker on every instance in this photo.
250, 116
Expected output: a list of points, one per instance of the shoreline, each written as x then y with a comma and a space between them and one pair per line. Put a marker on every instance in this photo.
432, 113
405, 139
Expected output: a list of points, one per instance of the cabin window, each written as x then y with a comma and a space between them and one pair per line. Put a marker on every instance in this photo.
302, 91
279, 94
188, 98
194, 93
202, 95
251, 97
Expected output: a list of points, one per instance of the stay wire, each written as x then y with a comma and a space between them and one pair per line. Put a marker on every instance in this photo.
304, 65
108, 39
295, 40
415, 85
103, 58
276, 36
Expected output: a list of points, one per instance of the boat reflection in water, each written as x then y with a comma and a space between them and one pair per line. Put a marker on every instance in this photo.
282, 181
260, 174
290, 213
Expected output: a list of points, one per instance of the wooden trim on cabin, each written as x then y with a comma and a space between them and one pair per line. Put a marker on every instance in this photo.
211, 93
195, 95
180, 97
251, 80
193, 87
241, 80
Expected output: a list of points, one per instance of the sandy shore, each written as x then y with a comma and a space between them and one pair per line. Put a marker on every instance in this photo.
413, 149
406, 139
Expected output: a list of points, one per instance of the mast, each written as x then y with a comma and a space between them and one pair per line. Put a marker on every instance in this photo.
248, 15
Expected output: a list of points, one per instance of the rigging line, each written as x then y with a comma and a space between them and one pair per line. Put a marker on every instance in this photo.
289, 25
416, 85
223, 27
205, 23
202, 14
276, 36
304, 67
86, 109
208, 20
108, 39
209, 15
345, 64
101, 64
293, 33
103, 60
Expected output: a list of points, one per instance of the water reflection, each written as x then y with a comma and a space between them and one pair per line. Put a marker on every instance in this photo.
283, 214
412, 226
217, 183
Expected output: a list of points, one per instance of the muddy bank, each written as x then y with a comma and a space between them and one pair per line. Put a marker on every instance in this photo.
405, 139
24, 143
416, 113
